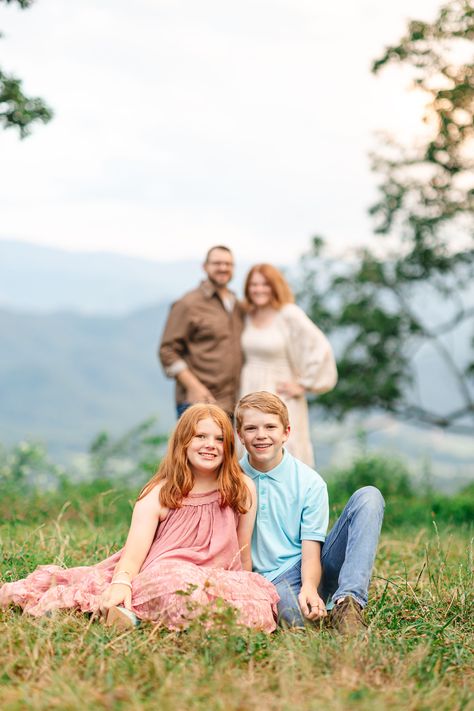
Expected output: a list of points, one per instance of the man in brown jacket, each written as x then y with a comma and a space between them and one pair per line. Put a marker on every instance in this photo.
200, 346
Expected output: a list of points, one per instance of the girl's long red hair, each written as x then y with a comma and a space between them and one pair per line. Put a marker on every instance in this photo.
176, 473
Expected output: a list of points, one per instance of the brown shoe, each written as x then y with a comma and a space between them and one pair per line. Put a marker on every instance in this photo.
347, 617
122, 618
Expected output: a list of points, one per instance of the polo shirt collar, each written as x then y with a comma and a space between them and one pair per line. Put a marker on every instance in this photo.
275, 473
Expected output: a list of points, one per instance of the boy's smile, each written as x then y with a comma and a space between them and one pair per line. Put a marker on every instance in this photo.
263, 436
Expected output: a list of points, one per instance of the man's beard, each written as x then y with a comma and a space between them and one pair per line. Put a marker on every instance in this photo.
220, 284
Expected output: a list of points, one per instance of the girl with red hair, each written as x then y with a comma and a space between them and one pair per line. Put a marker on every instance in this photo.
188, 546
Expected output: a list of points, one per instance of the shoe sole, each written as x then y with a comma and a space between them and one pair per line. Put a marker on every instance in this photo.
122, 618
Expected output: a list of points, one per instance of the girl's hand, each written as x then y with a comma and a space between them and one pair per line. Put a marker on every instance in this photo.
290, 389
116, 594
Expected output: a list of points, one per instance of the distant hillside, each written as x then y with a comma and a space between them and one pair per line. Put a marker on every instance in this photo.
91, 364
64, 377
43, 279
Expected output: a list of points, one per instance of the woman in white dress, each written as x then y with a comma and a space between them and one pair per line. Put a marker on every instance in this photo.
284, 352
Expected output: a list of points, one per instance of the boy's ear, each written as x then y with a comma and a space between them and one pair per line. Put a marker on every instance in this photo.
286, 433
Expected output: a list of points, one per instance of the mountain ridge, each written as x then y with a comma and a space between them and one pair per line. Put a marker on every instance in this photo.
64, 377
49, 279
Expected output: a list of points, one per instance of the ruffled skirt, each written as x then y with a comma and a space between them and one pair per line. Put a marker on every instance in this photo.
169, 592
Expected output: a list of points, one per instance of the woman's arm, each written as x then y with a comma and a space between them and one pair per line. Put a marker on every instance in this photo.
246, 524
145, 519
310, 352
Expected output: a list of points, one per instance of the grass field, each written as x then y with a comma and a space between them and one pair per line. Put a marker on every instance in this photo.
419, 653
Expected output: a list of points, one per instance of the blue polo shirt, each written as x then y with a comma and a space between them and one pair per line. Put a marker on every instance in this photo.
292, 507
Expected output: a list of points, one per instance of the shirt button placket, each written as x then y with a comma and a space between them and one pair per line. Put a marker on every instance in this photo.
263, 497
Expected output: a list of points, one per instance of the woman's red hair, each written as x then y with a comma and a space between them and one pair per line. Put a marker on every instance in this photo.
281, 292
176, 473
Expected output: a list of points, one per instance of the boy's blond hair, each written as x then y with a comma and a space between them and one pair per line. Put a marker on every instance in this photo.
265, 402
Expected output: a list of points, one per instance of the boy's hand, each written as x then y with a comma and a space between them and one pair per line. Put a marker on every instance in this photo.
312, 607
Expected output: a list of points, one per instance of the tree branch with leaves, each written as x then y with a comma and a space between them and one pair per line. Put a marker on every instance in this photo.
383, 311
16, 109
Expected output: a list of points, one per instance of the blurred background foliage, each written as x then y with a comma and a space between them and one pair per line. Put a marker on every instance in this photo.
33, 488
16, 109
370, 306
406, 505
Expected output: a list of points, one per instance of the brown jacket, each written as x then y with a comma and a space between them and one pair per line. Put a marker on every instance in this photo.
200, 334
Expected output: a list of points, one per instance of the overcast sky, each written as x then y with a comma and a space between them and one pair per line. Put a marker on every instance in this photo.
183, 123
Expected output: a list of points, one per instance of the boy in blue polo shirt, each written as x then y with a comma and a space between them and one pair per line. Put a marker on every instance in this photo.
289, 542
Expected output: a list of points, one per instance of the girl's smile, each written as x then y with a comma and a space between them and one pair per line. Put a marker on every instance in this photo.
205, 452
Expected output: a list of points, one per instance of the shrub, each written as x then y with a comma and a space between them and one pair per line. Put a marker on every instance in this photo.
404, 506
389, 475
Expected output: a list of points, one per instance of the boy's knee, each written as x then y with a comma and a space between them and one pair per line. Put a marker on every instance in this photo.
371, 497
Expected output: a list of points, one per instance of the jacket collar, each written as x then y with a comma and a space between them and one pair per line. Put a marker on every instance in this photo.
208, 289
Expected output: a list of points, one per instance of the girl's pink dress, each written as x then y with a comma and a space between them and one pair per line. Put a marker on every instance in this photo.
193, 561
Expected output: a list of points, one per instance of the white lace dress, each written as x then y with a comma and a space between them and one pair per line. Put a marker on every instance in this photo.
290, 348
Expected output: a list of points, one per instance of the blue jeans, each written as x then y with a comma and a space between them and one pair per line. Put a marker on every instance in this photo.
182, 407
347, 557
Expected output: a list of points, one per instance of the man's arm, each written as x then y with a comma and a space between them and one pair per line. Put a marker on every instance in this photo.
309, 601
172, 351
